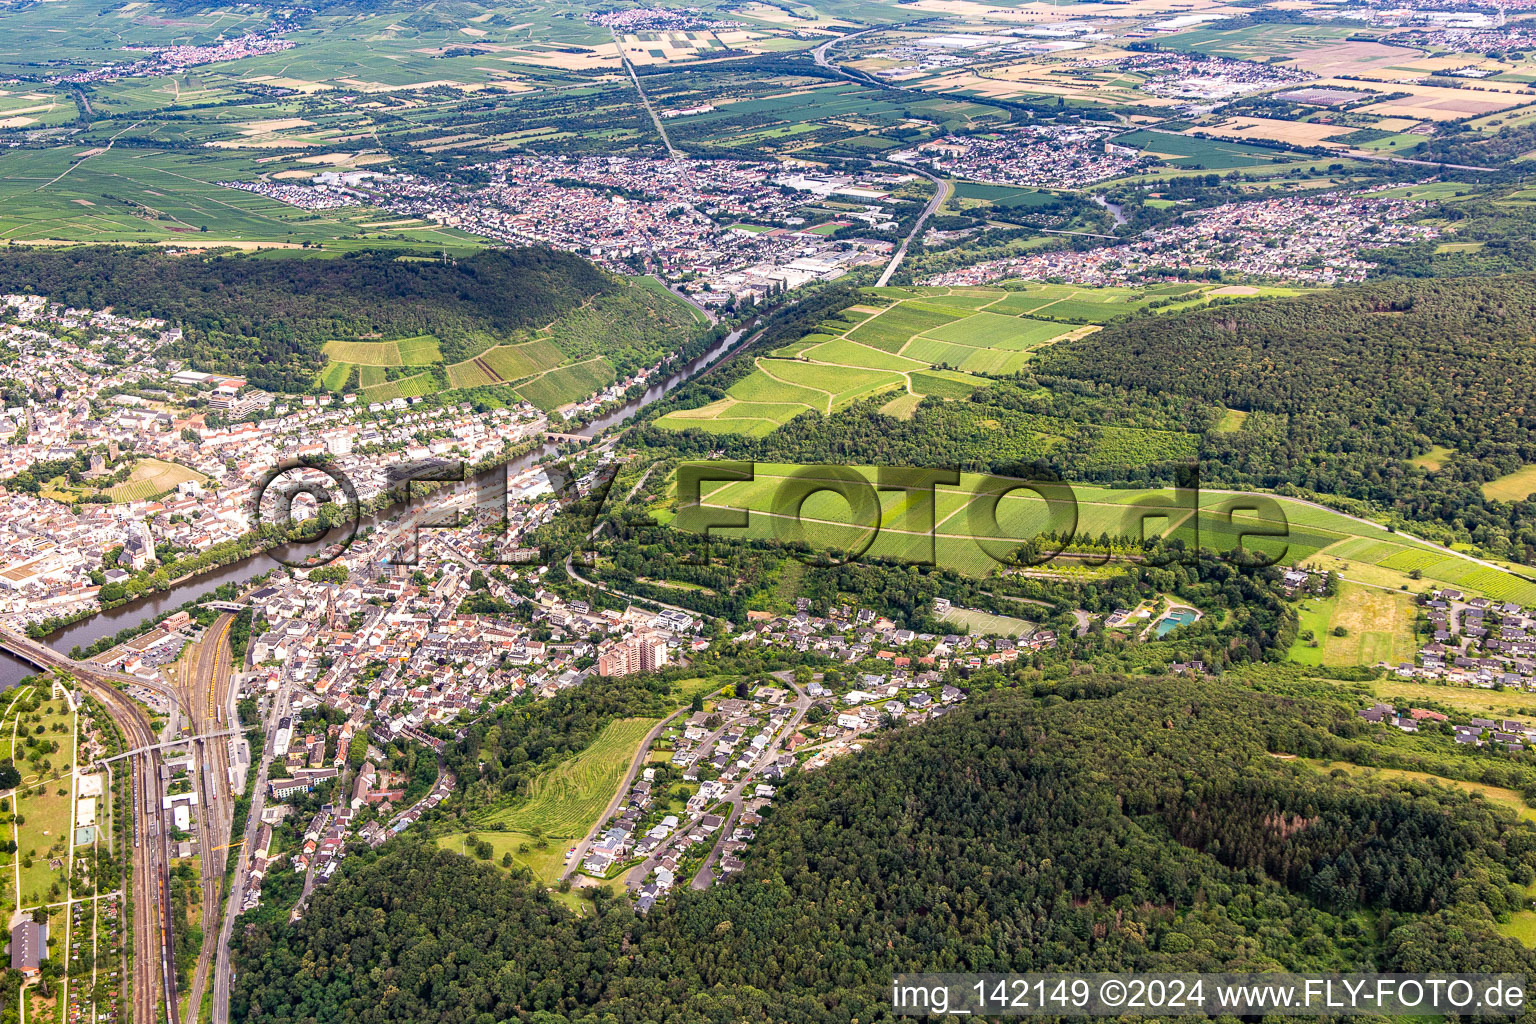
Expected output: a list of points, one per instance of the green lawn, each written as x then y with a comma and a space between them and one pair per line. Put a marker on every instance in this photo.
1377, 624
47, 820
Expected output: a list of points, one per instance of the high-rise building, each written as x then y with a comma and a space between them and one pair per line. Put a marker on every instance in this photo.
641, 652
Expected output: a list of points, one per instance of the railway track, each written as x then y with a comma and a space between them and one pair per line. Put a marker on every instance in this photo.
153, 942
202, 688
153, 967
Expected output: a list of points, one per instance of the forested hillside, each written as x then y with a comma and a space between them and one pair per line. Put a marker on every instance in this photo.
1093, 822
1346, 385
266, 317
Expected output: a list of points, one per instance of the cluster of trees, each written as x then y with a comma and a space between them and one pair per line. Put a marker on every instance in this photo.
1083, 824
499, 755
1507, 235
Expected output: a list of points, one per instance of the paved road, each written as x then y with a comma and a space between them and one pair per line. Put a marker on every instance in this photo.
941, 191
618, 794
705, 876
660, 130
1365, 154
942, 188
570, 571
635, 878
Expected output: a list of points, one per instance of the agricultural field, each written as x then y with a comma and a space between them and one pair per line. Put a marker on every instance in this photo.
915, 342
566, 384
414, 386
421, 350
970, 194
964, 534
560, 363
1189, 151
564, 802
1075, 304
125, 194
151, 477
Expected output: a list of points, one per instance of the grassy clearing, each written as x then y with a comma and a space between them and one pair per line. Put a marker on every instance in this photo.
902, 407
1493, 794
1232, 420
1433, 460
335, 376
44, 828
1467, 700
1514, 486
1377, 624
542, 855
565, 801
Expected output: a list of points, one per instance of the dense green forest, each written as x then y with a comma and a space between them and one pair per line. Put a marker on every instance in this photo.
266, 318
1090, 823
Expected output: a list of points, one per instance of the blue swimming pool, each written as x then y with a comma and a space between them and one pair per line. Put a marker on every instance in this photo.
1173, 620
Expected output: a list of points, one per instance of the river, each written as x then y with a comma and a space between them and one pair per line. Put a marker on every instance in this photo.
1115, 210
88, 631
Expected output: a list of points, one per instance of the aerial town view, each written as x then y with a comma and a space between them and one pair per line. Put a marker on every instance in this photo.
588, 512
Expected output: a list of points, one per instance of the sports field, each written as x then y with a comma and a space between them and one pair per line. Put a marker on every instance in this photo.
974, 530
565, 801
980, 623
905, 342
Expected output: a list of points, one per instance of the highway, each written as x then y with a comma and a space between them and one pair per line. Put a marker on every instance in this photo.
942, 188
644, 99
941, 191
152, 969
